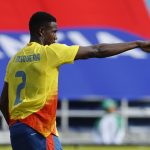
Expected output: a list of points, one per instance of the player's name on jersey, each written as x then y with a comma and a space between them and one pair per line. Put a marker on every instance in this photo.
28, 58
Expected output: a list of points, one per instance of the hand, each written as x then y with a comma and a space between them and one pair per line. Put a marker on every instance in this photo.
144, 45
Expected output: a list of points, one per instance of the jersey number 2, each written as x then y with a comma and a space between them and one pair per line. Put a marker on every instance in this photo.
20, 86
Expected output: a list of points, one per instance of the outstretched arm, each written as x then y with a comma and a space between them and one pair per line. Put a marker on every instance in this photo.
4, 102
104, 50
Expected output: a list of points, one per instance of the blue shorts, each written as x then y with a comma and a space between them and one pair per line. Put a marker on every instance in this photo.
24, 137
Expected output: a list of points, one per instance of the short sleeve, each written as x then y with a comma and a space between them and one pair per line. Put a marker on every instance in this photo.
63, 53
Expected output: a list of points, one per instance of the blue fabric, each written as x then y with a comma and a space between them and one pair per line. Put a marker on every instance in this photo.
25, 138
57, 143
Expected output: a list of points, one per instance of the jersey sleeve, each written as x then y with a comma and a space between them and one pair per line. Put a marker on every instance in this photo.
63, 53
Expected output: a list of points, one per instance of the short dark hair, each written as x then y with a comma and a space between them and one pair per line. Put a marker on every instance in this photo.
39, 19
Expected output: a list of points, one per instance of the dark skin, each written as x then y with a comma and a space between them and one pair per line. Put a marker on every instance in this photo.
4, 102
46, 35
144, 45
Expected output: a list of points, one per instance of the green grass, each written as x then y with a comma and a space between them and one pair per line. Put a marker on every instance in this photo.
5, 148
94, 148
106, 148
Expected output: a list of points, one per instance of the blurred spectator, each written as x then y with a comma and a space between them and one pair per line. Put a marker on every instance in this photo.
110, 129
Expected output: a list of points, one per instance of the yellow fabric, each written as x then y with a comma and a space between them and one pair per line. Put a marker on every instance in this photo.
38, 68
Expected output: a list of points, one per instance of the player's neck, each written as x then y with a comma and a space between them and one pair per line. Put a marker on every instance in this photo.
36, 39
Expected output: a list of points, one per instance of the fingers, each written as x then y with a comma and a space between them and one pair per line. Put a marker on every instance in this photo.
143, 44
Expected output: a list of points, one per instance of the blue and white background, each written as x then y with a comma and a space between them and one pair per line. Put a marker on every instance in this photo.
123, 76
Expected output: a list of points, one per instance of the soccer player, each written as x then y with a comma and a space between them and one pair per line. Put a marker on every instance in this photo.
29, 96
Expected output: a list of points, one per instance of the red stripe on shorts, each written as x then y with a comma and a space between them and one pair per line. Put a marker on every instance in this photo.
50, 143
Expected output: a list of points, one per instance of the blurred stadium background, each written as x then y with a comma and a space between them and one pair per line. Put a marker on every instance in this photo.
82, 86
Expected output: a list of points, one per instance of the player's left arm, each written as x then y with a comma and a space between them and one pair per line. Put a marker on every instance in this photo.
104, 50
4, 102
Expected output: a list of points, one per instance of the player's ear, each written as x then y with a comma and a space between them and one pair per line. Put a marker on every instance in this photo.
41, 31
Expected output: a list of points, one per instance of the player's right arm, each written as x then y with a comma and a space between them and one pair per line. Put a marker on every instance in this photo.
104, 50
4, 102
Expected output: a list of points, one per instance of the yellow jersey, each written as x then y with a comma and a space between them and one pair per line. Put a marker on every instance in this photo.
32, 77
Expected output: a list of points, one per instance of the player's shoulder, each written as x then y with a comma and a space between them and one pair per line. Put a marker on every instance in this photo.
15, 55
10, 62
56, 45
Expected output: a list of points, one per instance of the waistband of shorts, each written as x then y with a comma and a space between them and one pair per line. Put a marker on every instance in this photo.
16, 124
